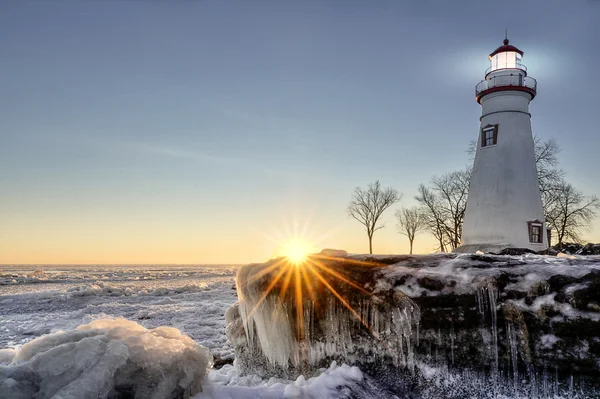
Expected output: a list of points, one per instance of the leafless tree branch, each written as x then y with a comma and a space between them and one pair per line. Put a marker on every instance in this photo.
368, 204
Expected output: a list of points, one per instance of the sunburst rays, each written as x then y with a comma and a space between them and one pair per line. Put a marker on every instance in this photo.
302, 280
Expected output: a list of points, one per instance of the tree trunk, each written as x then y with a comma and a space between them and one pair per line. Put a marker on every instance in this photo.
411, 242
371, 245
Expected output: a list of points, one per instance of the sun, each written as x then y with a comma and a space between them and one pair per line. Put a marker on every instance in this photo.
296, 250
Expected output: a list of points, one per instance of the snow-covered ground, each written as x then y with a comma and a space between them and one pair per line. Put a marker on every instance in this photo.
38, 300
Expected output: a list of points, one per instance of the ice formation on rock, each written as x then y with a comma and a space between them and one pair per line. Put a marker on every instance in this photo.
106, 358
305, 318
468, 325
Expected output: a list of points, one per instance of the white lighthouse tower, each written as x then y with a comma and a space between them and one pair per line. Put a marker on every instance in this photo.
504, 207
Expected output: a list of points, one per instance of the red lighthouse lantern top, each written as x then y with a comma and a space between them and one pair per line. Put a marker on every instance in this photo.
506, 56
505, 48
506, 73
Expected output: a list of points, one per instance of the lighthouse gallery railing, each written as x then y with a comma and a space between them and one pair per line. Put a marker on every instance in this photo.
504, 81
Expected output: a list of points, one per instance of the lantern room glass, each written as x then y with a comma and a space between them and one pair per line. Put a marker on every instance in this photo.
506, 59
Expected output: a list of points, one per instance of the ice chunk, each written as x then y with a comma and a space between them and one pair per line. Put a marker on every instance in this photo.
106, 358
7, 355
335, 382
566, 256
336, 253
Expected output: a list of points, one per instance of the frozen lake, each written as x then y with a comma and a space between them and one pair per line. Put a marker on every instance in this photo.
36, 300
42, 299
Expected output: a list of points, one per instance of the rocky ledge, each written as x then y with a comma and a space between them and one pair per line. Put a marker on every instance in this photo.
455, 324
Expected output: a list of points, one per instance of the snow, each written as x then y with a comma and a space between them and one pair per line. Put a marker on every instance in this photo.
228, 383
547, 341
469, 273
107, 357
566, 310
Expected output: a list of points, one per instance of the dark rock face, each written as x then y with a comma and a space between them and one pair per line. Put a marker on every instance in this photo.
575, 249
590, 249
515, 251
442, 325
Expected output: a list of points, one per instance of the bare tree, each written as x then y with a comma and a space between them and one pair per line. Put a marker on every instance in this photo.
570, 212
549, 176
431, 211
411, 221
367, 206
444, 205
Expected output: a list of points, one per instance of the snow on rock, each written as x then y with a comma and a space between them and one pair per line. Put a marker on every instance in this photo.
526, 323
105, 358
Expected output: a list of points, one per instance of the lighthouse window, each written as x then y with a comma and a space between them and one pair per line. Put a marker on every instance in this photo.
489, 135
535, 232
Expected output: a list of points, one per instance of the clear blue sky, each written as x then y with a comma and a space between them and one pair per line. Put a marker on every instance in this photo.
190, 131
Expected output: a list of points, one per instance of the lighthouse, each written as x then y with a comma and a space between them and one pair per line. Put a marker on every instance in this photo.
504, 206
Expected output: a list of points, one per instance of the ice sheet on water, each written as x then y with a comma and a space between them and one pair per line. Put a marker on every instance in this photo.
192, 299
27, 278
105, 357
101, 288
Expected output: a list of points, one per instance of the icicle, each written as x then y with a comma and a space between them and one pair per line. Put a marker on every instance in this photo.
452, 338
492, 296
545, 388
555, 384
512, 344
571, 386
480, 303
533, 382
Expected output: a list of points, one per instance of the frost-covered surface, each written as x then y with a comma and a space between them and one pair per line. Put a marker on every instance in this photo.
297, 322
334, 382
192, 299
477, 325
106, 358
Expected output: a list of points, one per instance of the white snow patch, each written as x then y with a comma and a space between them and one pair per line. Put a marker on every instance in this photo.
547, 341
566, 310
570, 289
227, 383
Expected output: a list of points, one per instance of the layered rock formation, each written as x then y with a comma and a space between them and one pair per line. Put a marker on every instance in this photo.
448, 324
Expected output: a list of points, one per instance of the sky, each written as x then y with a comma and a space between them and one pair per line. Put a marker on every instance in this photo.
211, 131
